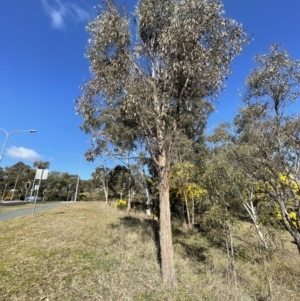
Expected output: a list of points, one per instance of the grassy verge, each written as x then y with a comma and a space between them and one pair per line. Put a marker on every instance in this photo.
15, 207
89, 251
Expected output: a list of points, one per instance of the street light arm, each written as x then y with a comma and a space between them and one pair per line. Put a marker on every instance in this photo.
4, 145
17, 131
7, 136
4, 131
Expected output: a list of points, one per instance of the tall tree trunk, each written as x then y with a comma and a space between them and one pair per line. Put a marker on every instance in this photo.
165, 234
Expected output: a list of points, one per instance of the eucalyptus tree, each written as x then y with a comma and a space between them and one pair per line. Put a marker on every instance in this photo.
188, 160
17, 175
120, 181
222, 184
59, 185
41, 164
238, 161
2, 174
269, 135
101, 174
139, 177
141, 86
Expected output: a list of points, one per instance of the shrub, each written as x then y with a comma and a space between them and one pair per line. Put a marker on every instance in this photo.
121, 204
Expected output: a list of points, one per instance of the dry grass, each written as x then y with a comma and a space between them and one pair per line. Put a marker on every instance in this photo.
88, 251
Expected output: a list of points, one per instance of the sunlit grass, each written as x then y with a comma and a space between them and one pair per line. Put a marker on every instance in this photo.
89, 251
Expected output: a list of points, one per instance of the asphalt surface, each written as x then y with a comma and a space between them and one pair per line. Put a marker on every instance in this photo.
28, 211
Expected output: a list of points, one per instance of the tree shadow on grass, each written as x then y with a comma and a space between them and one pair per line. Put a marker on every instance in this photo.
193, 251
218, 240
150, 230
191, 248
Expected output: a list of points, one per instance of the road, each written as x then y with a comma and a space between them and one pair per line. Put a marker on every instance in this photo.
28, 211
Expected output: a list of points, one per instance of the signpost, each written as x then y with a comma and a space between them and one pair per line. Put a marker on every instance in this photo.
41, 174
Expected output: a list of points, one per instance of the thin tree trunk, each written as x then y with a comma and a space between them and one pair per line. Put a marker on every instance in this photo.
105, 189
288, 224
130, 198
187, 209
252, 212
129, 188
193, 210
268, 280
148, 210
297, 240
296, 235
165, 234
230, 253
129, 201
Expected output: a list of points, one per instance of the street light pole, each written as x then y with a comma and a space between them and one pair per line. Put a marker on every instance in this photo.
69, 187
7, 136
4, 192
77, 184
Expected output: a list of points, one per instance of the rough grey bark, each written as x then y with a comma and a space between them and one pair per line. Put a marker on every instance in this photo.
165, 235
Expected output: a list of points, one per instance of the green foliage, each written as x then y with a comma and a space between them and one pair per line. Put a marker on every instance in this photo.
119, 179
275, 79
140, 87
262, 145
82, 197
183, 181
56, 187
41, 164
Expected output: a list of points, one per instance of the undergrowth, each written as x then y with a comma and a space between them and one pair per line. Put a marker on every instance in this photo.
89, 251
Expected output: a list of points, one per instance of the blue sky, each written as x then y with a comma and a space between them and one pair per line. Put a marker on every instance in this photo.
42, 64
